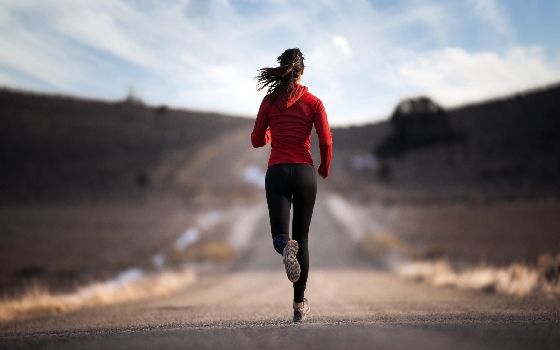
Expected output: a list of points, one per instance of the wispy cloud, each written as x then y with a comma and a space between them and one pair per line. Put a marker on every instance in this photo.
494, 13
454, 75
361, 56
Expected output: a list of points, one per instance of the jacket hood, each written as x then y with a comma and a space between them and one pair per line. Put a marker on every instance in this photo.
285, 99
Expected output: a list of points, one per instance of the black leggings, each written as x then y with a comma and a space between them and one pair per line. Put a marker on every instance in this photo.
287, 183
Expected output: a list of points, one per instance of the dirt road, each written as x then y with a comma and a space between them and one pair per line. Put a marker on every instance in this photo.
353, 305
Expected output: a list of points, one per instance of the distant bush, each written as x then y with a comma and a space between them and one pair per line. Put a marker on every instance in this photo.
417, 122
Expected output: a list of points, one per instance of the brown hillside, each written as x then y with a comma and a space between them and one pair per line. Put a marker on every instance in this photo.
509, 148
54, 147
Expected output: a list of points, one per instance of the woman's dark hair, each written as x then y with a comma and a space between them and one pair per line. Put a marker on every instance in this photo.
285, 75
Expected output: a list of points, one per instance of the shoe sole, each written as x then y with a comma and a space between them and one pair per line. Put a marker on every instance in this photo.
304, 316
291, 264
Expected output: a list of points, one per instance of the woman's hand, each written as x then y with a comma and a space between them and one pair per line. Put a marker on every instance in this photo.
324, 173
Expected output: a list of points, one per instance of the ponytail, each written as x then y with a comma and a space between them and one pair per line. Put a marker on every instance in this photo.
285, 75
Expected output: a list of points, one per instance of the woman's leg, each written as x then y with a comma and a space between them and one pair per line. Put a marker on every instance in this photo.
304, 193
283, 184
279, 201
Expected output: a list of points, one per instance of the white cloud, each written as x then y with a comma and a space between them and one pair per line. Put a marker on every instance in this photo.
99, 29
341, 44
24, 51
360, 58
454, 76
494, 13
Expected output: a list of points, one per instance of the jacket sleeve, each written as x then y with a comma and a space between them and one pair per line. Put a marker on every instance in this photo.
325, 137
261, 132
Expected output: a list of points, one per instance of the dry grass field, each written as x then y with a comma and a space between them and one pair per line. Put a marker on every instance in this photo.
65, 245
496, 234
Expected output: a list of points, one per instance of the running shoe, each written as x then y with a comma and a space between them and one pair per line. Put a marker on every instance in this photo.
290, 260
301, 310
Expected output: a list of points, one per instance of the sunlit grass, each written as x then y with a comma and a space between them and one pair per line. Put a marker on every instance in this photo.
37, 300
214, 251
516, 279
385, 247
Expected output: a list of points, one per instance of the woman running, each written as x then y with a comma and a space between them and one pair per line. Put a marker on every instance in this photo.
286, 116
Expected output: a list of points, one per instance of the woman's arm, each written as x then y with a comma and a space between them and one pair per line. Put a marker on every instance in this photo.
261, 133
325, 140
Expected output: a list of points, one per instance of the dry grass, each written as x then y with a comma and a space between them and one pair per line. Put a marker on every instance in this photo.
78, 243
498, 233
386, 247
38, 301
213, 250
516, 279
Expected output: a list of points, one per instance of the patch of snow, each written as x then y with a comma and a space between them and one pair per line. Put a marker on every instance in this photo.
159, 260
255, 175
125, 277
367, 161
187, 238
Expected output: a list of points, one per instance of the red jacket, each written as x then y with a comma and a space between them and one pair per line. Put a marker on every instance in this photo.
287, 120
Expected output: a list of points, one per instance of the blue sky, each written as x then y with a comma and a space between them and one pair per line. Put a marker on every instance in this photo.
361, 57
